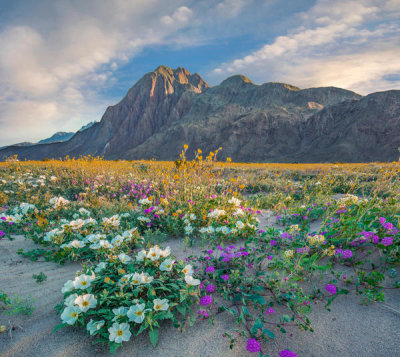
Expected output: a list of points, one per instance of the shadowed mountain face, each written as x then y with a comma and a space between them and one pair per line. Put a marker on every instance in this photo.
252, 123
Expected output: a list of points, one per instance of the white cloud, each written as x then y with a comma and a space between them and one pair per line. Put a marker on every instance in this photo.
180, 16
333, 47
52, 62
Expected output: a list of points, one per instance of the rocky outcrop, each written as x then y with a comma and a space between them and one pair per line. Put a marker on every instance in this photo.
252, 123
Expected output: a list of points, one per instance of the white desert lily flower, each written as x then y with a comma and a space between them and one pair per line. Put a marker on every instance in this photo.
136, 313
141, 255
146, 278
68, 286
83, 281
94, 326
119, 312
191, 281
160, 304
119, 332
70, 315
124, 258
86, 302
188, 270
166, 265
70, 300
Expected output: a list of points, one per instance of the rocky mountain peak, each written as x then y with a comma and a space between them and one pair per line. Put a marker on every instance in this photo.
235, 81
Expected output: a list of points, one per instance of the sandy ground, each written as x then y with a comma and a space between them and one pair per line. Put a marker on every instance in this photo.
348, 330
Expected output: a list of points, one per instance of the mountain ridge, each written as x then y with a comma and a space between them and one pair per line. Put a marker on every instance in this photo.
267, 122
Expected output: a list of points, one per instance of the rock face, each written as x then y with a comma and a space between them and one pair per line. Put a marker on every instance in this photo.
271, 122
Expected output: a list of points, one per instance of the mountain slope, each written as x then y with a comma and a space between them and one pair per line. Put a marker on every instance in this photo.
252, 123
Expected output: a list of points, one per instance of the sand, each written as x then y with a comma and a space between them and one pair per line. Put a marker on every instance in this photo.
348, 330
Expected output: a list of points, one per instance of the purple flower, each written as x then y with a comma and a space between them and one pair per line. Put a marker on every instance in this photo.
330, 288
269, 257
270, 311
387, 241
210, 270
347, 253
210, 288
225, 277
287, 353
207, 258
382, 220
253, 345
206, 300
273, 243
388, 226
210, 251
2, 234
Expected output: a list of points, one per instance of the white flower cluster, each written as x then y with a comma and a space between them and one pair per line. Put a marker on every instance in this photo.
58, 202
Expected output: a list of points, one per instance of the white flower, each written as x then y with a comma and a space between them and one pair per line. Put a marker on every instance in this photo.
146, 278
136, 313
288, 253
70, 300
188, 229
117, 241
70, 315
119, 312
239, 224
136, 279
58, 202
144, 201
75, 225
141, 255
225, 230
84, 211
192, 217
238, 212
154, 253
119, 332
86, 302
94, 326
68, 286
106, 244
160, 304
188, 270
77, 244
166, 252
191, 281
234, 201
124, 258
166, 265
216, 213
143, 219
83, 281
100, 267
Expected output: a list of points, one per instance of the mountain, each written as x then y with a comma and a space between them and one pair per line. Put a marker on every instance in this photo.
270, 122
57, 137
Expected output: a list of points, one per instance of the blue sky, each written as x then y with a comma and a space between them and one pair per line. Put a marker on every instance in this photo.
64, 61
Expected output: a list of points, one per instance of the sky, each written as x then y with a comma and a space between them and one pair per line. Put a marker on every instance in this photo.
62, 62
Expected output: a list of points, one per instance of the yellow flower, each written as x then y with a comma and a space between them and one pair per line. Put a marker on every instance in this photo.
3, 328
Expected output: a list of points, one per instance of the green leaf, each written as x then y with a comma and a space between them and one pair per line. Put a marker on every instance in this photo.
58, 327
286, 317
257, 325
269, 333
114, 346
153, 334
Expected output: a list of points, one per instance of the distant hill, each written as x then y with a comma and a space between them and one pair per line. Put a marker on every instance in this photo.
60, 136
271, 122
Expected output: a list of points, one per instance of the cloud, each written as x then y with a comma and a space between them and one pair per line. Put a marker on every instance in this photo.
341, 43
181, 15
54, 61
